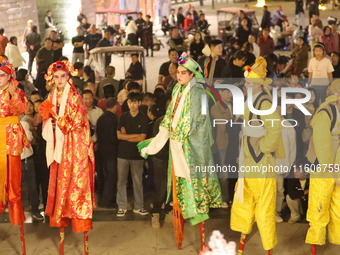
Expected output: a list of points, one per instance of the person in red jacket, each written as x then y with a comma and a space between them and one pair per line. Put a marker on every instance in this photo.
188, 24
266, 43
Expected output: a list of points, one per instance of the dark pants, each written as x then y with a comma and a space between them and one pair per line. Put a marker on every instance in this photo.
133, 39
28, 183
160, 181
31, 56
139, 35
42, 175
109, 182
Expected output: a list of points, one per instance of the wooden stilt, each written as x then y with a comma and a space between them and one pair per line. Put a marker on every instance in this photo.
242, 243
22, 235
62, 237
313, 249
202, 230
86, 243
182, 230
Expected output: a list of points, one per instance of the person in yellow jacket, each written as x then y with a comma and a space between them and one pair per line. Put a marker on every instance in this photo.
255, 195
324, 190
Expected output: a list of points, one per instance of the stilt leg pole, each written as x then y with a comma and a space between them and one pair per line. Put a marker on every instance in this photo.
241, 245
86, 243
313, 249
22, 235
202, 235
182, 227
62, 238
270, 252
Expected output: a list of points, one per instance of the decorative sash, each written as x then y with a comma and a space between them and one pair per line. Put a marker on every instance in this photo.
54, 152
3, 154
180, 165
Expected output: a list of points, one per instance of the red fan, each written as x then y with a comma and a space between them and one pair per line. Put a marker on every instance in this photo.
45, 109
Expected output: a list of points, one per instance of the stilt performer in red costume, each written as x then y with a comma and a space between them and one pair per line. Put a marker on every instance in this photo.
13, 103
69, 153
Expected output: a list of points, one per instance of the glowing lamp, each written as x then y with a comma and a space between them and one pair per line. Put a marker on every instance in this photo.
260, 3
322, 7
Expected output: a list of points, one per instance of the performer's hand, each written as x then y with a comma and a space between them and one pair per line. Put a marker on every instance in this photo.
122, 130
143, 153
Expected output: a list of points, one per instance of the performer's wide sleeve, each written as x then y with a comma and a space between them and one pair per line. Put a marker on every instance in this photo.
18, 103
75, 115
322, 138
157, 142
271, 140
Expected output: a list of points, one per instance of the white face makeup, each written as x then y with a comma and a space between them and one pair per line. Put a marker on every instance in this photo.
183, 75
60, 79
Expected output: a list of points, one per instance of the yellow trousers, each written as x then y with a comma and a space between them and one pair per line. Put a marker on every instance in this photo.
323, 210
259, 203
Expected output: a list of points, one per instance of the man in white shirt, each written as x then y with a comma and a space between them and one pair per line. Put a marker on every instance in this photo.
251, 40
173, 18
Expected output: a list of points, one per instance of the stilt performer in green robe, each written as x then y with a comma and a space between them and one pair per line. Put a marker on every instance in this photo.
194, 190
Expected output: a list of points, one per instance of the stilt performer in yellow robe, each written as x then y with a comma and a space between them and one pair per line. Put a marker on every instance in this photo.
324, 190
255, 195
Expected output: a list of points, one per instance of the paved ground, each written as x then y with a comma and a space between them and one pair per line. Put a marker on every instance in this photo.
136, 237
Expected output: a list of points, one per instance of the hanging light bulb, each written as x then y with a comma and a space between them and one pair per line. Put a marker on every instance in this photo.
260, 3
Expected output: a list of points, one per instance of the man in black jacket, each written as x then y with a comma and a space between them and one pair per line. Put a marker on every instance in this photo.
33, 43
300, 13
234, 68
297, 119
140, 23
266, 20
180, 18
105, 42
107, 152
297, 194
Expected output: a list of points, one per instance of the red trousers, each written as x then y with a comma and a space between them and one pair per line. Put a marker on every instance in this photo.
13, 191
78, 225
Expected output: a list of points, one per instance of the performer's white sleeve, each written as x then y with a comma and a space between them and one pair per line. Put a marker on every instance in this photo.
157, 142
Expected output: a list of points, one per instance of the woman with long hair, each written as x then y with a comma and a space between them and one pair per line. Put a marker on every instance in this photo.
197, 46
